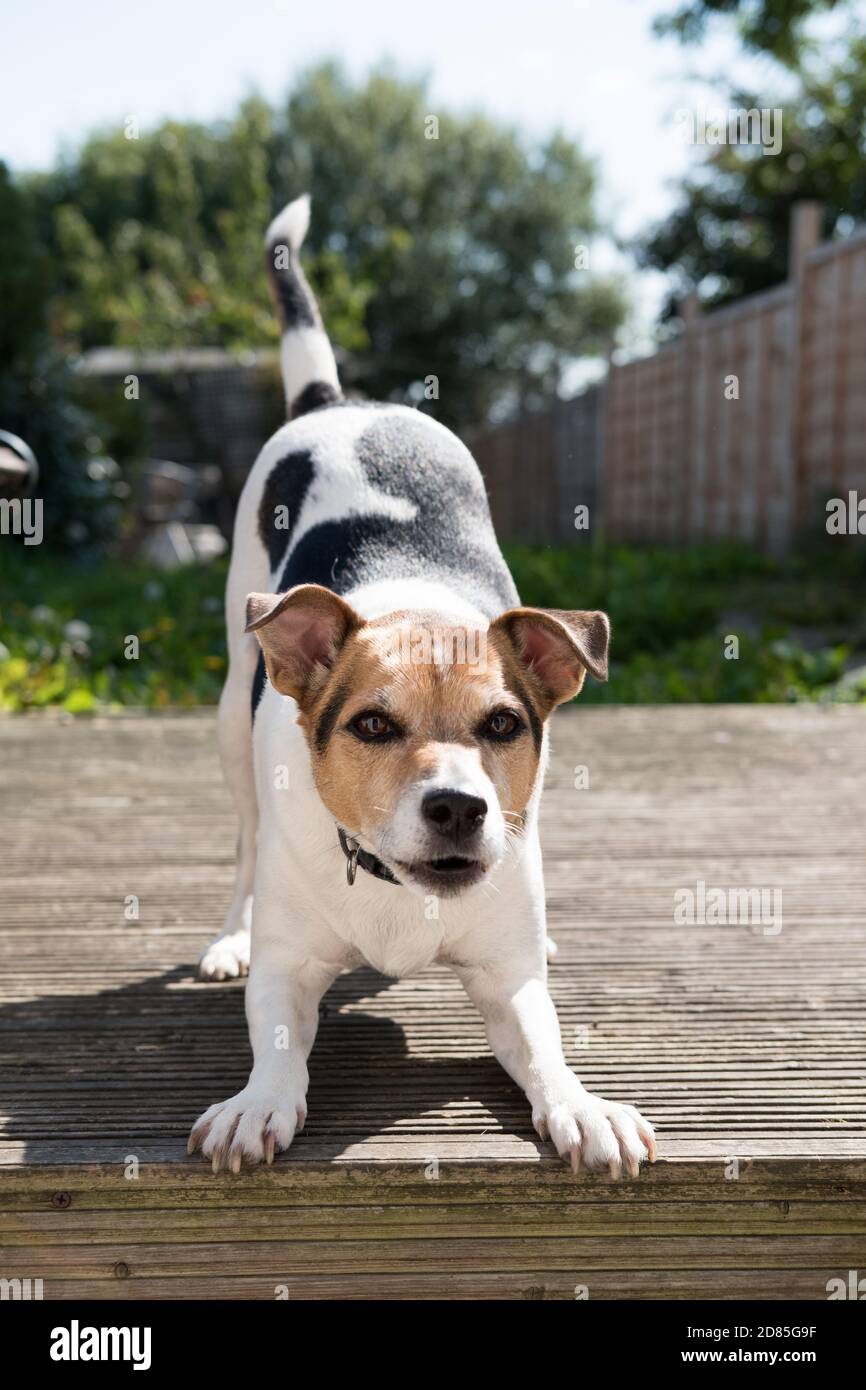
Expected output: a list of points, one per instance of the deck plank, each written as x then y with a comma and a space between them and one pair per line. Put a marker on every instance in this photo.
746, 1049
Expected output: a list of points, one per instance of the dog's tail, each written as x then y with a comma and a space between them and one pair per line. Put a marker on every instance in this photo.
309, 370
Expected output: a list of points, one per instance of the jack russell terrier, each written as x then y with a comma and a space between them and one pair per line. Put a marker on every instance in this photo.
388, 782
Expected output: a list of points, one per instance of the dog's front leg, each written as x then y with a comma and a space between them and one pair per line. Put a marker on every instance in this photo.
282, 1002
523, 1031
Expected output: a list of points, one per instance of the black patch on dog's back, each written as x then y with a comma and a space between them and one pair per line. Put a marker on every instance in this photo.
287, 485
450, 538
314, 395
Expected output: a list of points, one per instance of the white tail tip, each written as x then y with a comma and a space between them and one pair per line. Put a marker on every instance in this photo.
291, 224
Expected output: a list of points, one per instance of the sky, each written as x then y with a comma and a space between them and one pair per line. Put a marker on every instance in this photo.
590, 67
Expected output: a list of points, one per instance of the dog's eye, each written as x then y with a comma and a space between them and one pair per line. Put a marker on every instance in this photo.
502, 724
373, 727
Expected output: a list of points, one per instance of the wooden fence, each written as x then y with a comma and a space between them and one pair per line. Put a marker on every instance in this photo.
540, 468
743, 427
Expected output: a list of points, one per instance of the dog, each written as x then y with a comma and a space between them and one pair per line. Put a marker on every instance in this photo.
383, 730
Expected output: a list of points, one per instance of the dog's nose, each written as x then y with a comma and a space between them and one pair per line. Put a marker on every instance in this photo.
456, 815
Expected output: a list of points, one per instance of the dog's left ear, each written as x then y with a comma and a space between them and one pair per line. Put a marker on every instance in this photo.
301, 633
556, 648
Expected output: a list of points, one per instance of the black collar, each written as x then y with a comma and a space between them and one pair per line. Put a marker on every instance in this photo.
355, 855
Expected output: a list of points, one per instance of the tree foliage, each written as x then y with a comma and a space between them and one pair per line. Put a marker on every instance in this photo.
729, 233
81, 493
451, 257
767, 26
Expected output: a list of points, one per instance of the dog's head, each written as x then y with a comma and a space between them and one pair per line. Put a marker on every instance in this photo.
425, 733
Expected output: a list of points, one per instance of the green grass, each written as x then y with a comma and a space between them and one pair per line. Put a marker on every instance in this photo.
801, 625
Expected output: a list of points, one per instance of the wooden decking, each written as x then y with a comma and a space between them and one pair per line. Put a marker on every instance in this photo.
418, 1175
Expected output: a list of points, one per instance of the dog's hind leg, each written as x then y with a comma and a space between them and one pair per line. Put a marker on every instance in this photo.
228, 955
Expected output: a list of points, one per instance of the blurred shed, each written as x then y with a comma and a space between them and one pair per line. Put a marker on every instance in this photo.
203, 407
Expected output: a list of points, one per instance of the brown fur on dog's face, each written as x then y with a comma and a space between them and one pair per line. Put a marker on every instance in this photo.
431, 705
425, 733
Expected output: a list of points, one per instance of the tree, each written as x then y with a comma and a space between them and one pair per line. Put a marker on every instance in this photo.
442, 246
729, 233
23, 279
81, 495
767, 26
157, 236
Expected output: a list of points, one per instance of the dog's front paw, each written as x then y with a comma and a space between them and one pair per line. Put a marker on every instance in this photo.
597, 1134
252, 1126
227, 958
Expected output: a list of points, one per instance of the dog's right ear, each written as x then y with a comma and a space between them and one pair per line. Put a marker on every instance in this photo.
300, 633
556, 647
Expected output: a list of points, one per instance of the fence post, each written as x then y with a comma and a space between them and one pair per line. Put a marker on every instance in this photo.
690, 308
803, 237
691, 523
603, 476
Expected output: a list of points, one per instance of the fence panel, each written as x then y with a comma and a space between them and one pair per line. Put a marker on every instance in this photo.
741, 428
736, 465
832, 378
642, 467
577, 456
540, 467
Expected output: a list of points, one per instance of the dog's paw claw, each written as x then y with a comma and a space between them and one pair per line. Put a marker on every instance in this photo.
245, 1129
598, 1135
540, 1125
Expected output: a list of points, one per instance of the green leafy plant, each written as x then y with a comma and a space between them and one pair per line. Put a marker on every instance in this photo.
799, 623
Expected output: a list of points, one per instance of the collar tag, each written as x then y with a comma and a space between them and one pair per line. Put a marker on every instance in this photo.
355, 855
351, 849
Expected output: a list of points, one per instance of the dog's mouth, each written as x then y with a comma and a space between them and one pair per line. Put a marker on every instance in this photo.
448, 874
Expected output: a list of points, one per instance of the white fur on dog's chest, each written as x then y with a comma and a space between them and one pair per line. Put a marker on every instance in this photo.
390, 944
